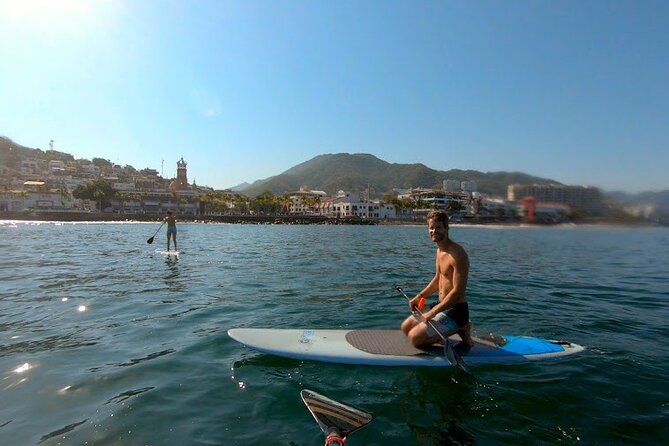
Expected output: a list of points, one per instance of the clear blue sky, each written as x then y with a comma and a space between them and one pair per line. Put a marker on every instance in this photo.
576, 91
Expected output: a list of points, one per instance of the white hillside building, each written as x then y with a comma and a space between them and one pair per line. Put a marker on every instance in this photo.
347, 205
305, 201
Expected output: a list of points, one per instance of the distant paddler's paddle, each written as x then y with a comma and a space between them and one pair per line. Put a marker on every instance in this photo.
336, 420
150, 240
453, 356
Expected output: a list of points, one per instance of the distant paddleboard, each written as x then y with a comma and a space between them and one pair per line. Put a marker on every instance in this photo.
168, 253
391, 347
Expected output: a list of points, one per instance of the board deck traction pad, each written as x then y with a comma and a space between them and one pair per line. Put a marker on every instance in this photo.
386, 342
395, 343
380, 342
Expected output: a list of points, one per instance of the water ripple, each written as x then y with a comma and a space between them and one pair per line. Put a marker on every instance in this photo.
134, 343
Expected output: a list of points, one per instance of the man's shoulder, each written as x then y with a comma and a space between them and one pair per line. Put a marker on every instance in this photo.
458, 252
454, 247
460, 247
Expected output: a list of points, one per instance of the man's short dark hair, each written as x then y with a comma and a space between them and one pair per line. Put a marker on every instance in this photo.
438, 216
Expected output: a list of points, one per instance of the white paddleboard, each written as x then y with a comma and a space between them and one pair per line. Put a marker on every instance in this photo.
168, 253
391, 347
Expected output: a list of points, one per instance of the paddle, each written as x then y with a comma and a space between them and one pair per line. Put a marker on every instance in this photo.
150, 240
453, 356
336, 420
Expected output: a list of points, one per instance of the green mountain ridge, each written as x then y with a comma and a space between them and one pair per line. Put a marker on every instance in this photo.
360, 171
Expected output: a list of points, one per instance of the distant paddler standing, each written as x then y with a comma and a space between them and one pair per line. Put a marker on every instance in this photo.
171, 230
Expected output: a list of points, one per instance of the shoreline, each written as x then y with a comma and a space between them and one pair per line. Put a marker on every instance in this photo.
153, 218
99, 217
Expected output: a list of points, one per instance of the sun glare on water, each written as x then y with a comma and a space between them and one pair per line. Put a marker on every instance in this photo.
23, 368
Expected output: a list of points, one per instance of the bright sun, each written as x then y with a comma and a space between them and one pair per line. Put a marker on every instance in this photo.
20, 9
43, 15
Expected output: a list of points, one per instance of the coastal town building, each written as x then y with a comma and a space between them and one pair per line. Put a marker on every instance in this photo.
148, 194
469, 186
349, 205
18, 201
48, 185
585, 198
459, 186
342, 205
304, 201
495, 208
437, 199
451, 185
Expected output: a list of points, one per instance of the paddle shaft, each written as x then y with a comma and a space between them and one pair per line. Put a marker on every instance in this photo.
150, 240
416, 310
448, 348
334, 438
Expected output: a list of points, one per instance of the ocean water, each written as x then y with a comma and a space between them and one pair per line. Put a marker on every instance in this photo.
103, 341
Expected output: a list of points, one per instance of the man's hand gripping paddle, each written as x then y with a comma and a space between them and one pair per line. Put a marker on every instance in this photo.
453, 356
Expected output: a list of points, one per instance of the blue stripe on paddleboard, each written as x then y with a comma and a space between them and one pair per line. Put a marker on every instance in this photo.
520, 345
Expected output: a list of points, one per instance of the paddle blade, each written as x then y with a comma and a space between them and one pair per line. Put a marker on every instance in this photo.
461, 363
455, 358
150, 240
333, 416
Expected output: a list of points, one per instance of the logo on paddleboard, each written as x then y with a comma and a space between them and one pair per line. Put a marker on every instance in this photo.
306, 336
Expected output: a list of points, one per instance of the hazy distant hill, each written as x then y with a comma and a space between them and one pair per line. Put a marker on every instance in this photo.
356, 172
239, 187
6, 144
10, 152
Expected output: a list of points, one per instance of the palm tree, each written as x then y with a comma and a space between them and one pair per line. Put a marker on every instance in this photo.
312, 202
98, 194
202, 201
242, 203
123, 198
229, 201
64, 193
23, 194
265, 203
139, 198
285, 202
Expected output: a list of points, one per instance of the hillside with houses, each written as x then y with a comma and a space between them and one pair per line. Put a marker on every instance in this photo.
343, 186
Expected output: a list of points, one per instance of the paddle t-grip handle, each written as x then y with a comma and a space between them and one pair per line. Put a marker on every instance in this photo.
421, 303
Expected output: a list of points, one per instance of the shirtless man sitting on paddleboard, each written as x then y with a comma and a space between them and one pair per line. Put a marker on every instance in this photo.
451, 313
